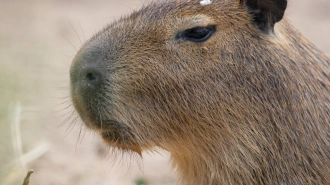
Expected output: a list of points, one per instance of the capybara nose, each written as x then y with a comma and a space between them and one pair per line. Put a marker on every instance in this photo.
86, 74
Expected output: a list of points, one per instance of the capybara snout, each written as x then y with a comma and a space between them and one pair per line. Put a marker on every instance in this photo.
87, 79
230, 89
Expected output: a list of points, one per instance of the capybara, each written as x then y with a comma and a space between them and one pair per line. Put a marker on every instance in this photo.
231, 89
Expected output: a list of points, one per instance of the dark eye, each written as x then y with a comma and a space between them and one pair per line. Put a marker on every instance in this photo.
197, 34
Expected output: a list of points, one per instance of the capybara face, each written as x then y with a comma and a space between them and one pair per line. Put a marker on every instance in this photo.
153, 77
149, 85
236, 96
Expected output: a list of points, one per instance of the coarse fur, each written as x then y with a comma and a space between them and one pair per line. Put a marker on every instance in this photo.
250, 105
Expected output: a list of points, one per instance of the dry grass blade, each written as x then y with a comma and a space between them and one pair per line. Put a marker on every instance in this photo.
16, 134
27, 178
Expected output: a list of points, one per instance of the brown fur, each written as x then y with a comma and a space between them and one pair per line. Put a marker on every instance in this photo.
243, 107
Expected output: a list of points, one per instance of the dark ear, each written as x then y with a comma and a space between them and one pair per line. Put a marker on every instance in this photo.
266, 12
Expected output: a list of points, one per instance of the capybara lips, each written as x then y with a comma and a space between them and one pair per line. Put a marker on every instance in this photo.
111, 135
121, 138
107, 126
113, 131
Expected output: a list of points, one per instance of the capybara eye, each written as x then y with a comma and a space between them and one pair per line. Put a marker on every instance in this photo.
197, 34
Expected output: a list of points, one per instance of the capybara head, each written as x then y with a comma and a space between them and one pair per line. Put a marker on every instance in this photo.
229, 88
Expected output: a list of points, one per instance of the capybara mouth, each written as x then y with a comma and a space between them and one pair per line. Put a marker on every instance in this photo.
122, 139
114, 133
112, 136
112, 130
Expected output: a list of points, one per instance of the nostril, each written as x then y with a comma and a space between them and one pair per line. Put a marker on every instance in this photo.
91, 76
87, 73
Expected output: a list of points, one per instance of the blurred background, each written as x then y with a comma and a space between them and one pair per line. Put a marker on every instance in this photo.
38, 40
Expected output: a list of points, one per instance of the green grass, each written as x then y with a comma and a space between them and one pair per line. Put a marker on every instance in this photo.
141, 181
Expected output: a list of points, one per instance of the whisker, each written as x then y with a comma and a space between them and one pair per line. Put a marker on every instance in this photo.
67, 119
80, 136
76, 33
82, 31
71, 126
66, 102
69, 114
69, 42
68, 56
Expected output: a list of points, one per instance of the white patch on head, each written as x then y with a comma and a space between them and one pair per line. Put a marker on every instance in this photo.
205, 2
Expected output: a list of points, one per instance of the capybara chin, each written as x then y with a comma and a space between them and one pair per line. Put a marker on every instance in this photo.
234, 92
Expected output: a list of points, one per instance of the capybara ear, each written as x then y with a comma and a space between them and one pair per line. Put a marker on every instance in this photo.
265, 12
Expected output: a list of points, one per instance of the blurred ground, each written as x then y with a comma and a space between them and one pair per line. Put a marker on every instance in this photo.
38, 39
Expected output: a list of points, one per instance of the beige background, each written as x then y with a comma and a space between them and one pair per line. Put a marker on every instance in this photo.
38, 39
